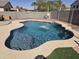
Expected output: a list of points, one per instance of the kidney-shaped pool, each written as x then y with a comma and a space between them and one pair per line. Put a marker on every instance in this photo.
35, 33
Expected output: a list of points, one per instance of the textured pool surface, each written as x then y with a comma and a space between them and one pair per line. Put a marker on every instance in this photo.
34, 33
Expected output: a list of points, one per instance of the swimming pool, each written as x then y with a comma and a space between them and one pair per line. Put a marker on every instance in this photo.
35, 33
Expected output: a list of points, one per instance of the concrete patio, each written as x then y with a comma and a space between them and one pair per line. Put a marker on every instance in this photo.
45, 49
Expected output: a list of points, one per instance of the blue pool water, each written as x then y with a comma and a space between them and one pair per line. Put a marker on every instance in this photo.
34, 33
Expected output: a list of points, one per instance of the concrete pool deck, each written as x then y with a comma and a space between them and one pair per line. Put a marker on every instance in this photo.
45, 49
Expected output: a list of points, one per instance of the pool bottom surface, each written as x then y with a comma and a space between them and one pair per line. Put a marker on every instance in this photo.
34, 33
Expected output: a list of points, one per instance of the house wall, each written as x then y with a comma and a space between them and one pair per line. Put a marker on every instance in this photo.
75, 19
7, 7
1, 9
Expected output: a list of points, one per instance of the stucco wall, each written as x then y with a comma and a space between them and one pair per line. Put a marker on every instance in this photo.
1, 9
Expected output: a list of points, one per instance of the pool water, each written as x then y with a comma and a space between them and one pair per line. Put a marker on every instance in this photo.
35, 33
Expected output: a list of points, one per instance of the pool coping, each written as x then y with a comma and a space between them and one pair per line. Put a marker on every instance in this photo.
45, 49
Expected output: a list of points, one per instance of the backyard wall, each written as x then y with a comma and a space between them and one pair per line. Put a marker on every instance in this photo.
63, 16
24, 15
